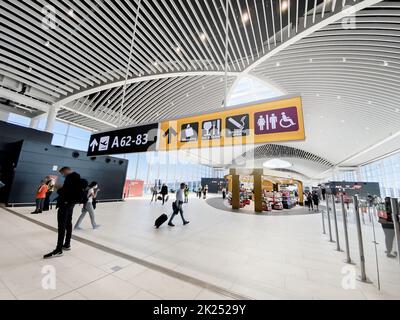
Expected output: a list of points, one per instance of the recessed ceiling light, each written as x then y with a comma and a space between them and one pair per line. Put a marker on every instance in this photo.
385, 63
344, 60
339, 97
277, 164
155, 63
284, 6
47, 43
30, 69
369, 102
71, 12
318, 94
278, 64
203, 37
311, 60
245, 17
178, 49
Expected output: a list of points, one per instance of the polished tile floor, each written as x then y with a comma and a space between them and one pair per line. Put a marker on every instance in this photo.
260, 257
85, 273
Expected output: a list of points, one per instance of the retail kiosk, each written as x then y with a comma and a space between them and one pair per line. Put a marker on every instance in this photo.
266, 192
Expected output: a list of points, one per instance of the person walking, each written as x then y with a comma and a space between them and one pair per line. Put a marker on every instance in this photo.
386, 221
178, 206
199, 191
315, 199
40, 197
164, 193
224, 193
205, 191
154, 194
69, 195
50, 185
88, 207
186, 192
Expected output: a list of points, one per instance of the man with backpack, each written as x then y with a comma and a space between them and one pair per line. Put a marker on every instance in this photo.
70, 194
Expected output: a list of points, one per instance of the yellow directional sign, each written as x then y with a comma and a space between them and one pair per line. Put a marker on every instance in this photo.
267, 122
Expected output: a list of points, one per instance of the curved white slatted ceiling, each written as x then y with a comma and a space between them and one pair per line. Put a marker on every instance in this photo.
349, 79
350, 83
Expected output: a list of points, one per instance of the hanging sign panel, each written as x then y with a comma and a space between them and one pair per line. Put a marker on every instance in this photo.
130, 140
267, 122
274, 121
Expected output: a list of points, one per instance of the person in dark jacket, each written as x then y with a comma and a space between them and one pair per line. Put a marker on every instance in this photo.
68, 196
315, 199
388, 229
164, 193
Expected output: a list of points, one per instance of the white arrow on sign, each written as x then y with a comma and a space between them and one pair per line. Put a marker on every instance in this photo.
94, 144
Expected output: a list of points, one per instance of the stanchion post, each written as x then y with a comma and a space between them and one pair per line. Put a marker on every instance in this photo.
346, 232
395, 217
329, 219
323, 222
360, 240
336, 223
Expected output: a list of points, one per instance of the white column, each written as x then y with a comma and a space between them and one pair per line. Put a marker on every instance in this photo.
34, 123
51, 119
4, 116
358, 174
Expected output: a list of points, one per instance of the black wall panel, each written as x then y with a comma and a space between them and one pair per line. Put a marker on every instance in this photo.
11, 133
38, 160
27, 156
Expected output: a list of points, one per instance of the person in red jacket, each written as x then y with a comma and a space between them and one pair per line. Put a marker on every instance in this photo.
40, 197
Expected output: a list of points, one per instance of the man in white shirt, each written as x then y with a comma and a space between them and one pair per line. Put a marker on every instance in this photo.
180, 196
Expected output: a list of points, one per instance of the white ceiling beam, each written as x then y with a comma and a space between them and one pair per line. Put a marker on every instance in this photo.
24, 100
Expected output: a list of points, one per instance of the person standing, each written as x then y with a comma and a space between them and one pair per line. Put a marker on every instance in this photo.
388, 229
88, 207
50, 185
164, 193
40, 197
178, 206
310, 201
186, 192
69, 195
315, 199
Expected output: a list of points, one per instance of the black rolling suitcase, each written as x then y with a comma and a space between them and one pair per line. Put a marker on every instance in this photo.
161, 220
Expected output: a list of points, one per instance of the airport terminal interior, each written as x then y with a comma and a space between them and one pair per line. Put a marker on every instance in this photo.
199, 150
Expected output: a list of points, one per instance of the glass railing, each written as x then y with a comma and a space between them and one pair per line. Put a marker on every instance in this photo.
367, 232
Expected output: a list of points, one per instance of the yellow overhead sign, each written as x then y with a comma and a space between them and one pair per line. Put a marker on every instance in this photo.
267, 122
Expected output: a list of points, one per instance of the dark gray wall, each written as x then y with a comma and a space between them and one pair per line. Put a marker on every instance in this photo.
27, 156
37, 161
362, 189
214, 184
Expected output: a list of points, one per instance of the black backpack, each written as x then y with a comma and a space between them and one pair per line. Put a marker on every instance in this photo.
83, 191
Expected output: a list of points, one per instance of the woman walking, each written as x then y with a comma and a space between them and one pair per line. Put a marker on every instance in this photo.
88, 207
